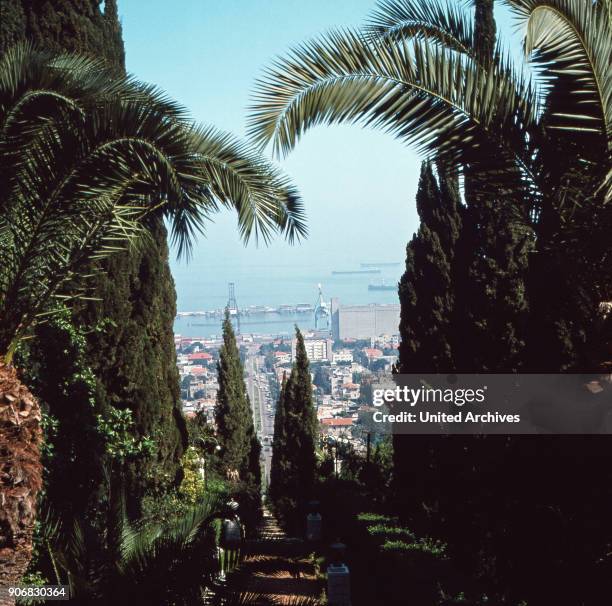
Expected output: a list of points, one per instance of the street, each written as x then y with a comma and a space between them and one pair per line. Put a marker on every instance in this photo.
263, 410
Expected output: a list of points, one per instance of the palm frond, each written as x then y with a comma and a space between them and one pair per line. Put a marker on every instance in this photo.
141, 544
439, 21
89, 157
606, 186
430, 96
237, 176
136, 562
296, 600
171, 562
243, 598
571, 40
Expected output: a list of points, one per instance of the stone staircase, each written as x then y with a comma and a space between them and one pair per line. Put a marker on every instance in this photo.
275, 570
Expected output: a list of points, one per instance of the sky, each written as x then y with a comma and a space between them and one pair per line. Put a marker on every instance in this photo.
358, 185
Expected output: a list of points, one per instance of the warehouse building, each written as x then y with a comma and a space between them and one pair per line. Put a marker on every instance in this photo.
364, 321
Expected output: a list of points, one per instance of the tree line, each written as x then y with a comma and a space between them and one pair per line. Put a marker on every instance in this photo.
94, 162
509, 269
507, 272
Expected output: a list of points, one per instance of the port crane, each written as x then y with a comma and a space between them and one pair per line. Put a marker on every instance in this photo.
321, 312
232, 306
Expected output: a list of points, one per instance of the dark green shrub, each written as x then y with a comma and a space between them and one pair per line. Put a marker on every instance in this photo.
385, 533
375, 518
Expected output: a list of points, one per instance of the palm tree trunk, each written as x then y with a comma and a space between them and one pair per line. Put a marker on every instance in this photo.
20, 476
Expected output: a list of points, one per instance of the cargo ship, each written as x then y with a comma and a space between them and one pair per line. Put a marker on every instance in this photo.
348, 272
382, 286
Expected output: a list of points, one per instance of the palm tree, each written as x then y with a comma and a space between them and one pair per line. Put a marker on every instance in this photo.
89, 160
171, 562
416, 72
540, 139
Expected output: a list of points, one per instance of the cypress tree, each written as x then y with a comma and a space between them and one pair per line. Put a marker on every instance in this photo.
295, 432
425, 290
485, 30
74, 448
426, 293
490, 273
460, 298
489, 326
492, 254
254, 461
279, 447
132, 354
65, 25
129, 327
233, 410
301, 418
240, 448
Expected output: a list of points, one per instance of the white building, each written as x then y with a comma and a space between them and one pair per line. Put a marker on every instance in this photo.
364, 321
342, 355
282, 357
385, 341
316, 349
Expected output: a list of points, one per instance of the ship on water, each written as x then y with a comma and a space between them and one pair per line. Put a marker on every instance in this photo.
348, 272
382, 286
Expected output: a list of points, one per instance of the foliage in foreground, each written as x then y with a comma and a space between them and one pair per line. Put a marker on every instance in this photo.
90, 157
129, 343
239, 447
292, 475
164, 563
531, 264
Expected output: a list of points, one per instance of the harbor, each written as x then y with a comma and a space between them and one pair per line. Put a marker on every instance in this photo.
271, 322
252, 310
270, 300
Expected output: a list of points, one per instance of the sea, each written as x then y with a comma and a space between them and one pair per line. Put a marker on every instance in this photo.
204, 286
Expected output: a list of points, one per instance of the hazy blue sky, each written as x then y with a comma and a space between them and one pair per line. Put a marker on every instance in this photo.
358, 185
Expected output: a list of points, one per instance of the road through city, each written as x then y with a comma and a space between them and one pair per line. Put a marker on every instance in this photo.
263, 409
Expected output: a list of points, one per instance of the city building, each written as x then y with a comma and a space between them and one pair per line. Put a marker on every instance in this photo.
194, 387
350, 391
195, 370
316, 349
282, 357
336, 427
201, 356
385, 342
342, 355
363, 321
340, 376
282, 373
325, 412
372, 353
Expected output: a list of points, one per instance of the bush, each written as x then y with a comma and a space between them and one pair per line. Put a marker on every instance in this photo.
375, 518
248, 497
192, 488
408, 569
397, 533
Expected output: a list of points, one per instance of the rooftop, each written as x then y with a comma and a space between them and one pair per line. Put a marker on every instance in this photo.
200, 355
337, 422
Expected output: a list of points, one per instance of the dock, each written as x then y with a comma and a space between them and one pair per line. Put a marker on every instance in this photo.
252, 310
